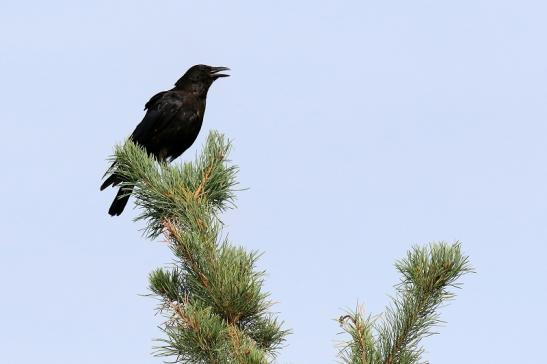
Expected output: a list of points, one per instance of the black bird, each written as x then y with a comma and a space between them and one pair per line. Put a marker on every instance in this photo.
171, 124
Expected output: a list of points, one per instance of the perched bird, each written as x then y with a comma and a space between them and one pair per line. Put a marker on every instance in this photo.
172, 122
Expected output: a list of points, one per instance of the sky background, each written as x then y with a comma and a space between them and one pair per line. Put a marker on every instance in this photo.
360, 127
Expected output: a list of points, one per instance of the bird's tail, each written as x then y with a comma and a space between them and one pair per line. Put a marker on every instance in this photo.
119, 201
123, 193
113, 179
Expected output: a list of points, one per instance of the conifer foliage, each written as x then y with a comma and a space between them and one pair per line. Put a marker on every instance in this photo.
211, 297
427, 274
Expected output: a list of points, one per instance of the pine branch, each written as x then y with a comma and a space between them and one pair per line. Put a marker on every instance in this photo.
212, 299
427, 274
178, 193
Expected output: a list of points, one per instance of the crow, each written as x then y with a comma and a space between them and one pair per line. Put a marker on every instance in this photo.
171, 124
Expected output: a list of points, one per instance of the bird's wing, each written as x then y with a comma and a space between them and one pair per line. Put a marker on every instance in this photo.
162, 107
154, 99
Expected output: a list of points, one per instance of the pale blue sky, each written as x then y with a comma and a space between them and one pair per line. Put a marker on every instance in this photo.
360, 127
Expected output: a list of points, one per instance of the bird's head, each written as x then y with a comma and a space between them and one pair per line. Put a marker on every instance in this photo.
200, 77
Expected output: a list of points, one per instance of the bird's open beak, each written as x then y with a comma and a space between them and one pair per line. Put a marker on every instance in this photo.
215, 72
